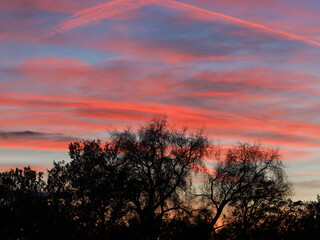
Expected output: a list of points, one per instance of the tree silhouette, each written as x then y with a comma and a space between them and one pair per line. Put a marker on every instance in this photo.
137, 178
139, 185
290, 220
20, 202
93, 189
161, 161
248, 180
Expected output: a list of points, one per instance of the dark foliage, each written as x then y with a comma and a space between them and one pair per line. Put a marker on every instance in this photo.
249, 181
140, 185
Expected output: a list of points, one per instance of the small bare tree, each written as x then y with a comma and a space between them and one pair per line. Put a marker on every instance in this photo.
246, 177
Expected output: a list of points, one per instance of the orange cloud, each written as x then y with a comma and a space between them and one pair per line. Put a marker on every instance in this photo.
37, 168
37, 144
87, 115
187, 96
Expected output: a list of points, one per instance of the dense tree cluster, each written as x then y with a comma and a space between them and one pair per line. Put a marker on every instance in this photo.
154, 184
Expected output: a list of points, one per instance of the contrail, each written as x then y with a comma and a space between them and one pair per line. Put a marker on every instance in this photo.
183, 6
97, 13
117, 7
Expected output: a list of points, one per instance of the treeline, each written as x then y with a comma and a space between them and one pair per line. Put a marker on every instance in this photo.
154, 184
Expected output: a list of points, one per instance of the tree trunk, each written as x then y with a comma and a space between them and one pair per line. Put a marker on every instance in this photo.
149, 226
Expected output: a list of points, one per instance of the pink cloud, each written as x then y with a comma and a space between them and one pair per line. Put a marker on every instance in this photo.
62, 6
35, 144
264, 77
118, 7
279, 15
183, 58
88, 109
88, 114
98, 12
211, 15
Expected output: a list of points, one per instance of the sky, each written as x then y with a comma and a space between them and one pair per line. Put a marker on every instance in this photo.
246, 71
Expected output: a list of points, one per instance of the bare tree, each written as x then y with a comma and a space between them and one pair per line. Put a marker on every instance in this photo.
161, 160
137, 178
246, 178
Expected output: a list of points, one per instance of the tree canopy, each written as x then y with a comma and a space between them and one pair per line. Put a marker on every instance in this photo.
141, 184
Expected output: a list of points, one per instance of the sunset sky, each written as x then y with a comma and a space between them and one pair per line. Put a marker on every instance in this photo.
245, 70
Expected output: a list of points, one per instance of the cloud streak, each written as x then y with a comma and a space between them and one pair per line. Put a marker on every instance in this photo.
196, 10
118, 7
245, 70
35, 135
96, 13
89, 115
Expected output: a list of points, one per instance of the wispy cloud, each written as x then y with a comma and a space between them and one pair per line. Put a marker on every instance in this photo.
36, 135
207, 13
97, 13
246, 70
35, 140
110, 9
